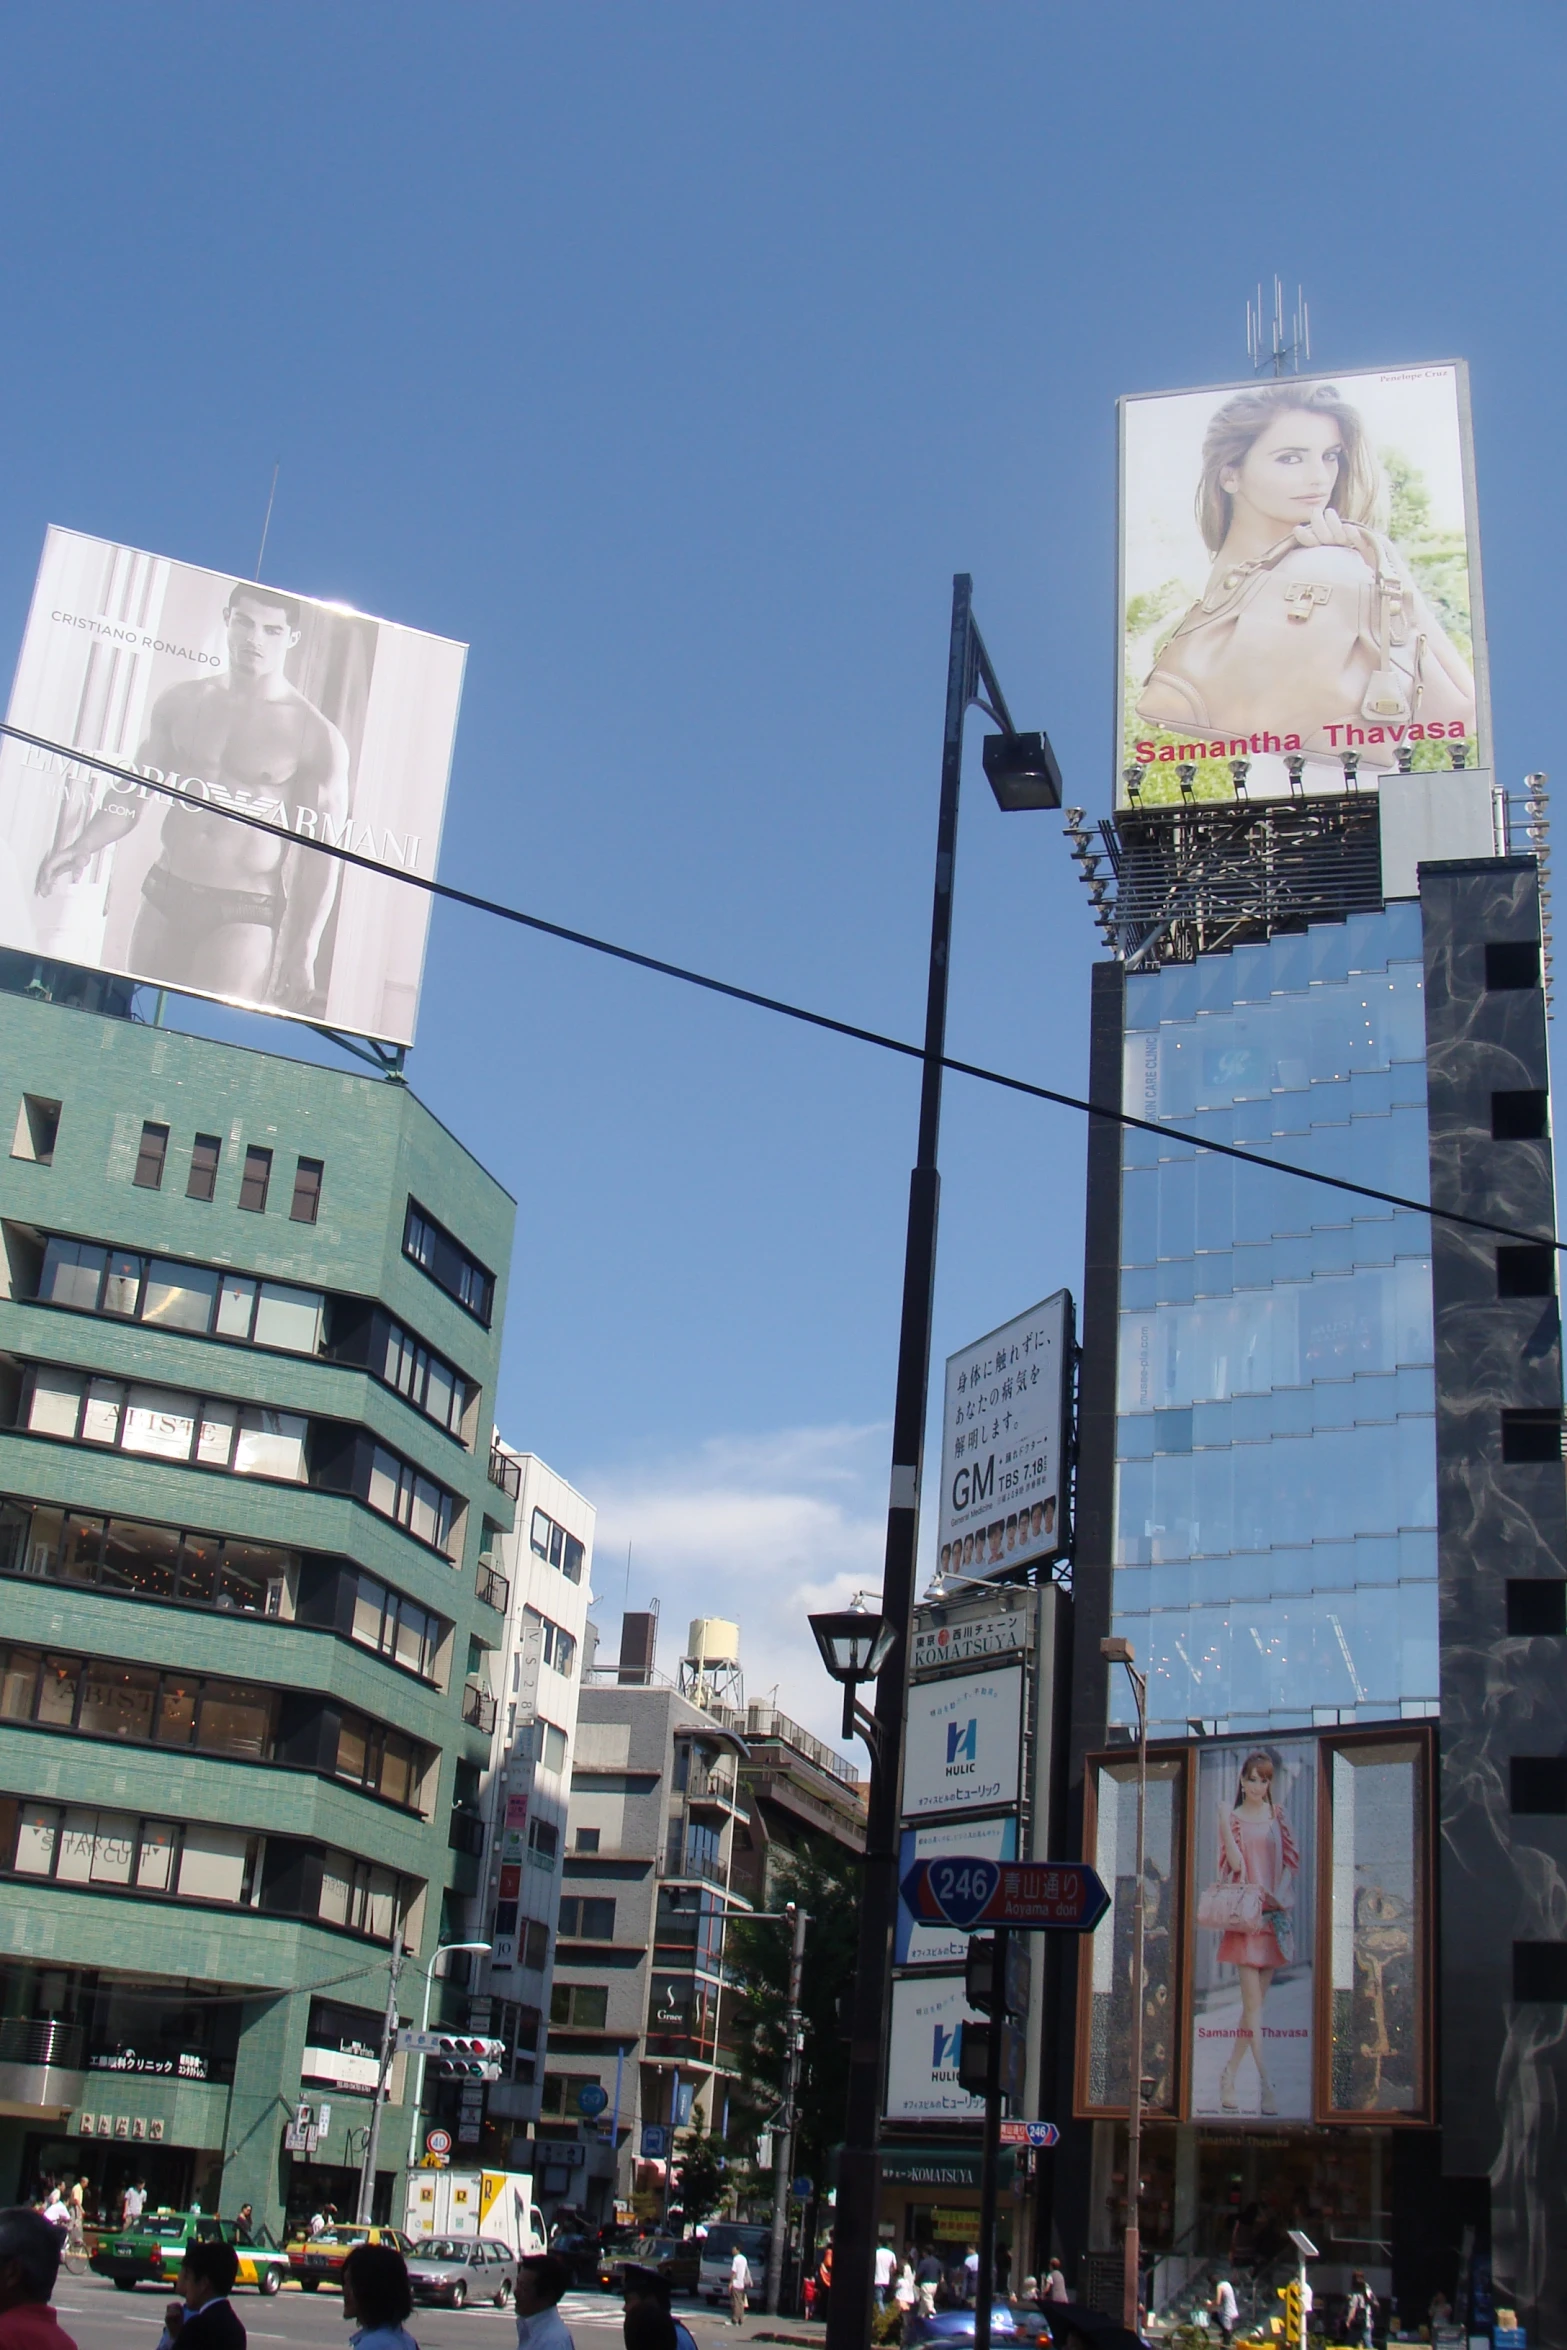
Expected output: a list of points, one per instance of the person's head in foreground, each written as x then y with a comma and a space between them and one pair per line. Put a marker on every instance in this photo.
541, 2280
648, 2325
207, 2272
30, 2249
376, 2290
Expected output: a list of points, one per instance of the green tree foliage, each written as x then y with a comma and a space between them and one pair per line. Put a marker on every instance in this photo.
699, 2180
1439, 559
825, 1882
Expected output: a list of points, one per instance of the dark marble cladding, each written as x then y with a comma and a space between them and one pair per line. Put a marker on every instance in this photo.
1503, 2069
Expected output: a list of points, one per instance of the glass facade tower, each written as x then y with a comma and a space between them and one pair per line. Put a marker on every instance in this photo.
1274, 1549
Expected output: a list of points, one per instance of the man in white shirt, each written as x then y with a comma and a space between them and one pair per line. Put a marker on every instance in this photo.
1055, 2282
1225, 2307
886, 2273
541, 2280
971, 2275
132, 2204
739, 2286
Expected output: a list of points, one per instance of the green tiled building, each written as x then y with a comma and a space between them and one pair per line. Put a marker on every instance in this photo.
250, 1322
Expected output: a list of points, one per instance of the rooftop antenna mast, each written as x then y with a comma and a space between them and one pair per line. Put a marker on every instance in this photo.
1266, 347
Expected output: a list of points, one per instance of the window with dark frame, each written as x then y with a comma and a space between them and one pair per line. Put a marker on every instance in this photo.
1540, 1974
1531, 1436
255, 1179
205, 1153
1512, 963
1525, 1269
306, 1202
1537, 1607
432, 1248
1520, 1116
1538, 1784
151, 1156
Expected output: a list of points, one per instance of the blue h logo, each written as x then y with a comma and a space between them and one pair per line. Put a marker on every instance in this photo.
962, 1741
944, 2047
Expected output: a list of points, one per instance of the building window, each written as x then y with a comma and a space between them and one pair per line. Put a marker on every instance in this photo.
1512, 963
379, 1761
1519, 1116
205, 1152
584, 2005
1537, 1607
396, 1627
139, 1560
552, 1748
431, 1247
76, 1845
587, 1918
426, 1379
536, 1945
562, 2091
106, 1699
166, 1423
37, 1130
552, 1542
1525, 1270
255, 1179
557, 1646
587, 1840
1540, 1973
1539, 1783
150, 1157
200, 1299
306, 1202
414, 1502
1531, 1436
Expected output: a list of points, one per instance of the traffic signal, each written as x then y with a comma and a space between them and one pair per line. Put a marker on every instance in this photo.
468, 2057
979, 1975
974, 2059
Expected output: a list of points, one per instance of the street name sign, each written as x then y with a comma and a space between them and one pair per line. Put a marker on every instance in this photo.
974, 1894
1030, 2134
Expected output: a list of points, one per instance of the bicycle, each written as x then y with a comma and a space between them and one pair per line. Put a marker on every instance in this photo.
74, 2255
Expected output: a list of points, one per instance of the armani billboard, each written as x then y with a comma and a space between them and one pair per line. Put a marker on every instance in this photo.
325, 724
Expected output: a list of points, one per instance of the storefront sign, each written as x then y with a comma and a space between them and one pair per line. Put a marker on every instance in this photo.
974, 1639
937, 2166
119, 2125
964, 1743
186, 2066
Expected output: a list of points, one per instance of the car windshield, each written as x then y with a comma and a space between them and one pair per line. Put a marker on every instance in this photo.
444, 2248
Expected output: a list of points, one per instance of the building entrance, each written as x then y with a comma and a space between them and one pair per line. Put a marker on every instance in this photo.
110, 2166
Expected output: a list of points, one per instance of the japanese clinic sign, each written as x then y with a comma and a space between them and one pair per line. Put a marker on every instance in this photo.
1003, 1496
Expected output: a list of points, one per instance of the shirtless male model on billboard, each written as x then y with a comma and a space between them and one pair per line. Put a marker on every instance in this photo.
227, 909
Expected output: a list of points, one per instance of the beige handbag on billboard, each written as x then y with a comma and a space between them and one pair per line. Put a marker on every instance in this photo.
1302, 639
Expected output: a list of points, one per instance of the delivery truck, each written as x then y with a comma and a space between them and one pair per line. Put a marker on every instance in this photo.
494, 2203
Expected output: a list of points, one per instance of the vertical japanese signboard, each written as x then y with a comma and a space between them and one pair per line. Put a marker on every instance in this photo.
1004, 1496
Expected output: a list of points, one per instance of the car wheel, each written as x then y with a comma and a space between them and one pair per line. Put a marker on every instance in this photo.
310, 2284
125, 2284
270, 2281
458, 2295
503, 2293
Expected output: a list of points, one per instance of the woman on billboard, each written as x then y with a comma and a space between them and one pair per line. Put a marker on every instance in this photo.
1252, 1902
1312, 626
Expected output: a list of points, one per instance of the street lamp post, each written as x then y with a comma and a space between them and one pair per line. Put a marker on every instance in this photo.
1117, 1651
1023, 774
436, 1956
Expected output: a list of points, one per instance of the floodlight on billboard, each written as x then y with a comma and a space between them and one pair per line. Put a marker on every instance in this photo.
327, 724
1003, 1488
1299, 581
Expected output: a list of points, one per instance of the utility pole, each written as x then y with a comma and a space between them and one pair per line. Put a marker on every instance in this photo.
388, 2045
787, 2125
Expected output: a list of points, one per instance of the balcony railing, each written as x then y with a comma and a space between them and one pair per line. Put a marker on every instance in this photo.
705, 1783
29, 2040
494, 1588
505, 1473
478, 1707
466, 1833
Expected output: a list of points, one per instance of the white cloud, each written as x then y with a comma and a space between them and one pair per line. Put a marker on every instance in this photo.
761, 1529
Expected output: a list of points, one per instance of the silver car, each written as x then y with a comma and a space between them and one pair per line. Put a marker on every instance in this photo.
455, 2269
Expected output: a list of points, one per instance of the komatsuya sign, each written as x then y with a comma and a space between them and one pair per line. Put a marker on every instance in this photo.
973, 1894
1003, 1502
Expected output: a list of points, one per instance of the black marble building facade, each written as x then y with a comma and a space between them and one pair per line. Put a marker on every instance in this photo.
1502, 1551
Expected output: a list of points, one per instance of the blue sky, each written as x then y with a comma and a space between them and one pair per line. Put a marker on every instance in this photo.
675, 357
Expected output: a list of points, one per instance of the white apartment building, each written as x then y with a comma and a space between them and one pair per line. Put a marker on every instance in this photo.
536, 1675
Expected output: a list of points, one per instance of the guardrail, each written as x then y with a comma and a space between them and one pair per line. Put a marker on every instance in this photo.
494, 1588
478, 1707
41, 2040
505, 1473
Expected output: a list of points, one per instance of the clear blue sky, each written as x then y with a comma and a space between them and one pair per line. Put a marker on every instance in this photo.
675, 357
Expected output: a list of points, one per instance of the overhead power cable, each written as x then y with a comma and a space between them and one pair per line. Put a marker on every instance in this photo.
447, 891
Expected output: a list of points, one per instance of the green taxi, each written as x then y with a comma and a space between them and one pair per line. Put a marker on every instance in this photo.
151, 2252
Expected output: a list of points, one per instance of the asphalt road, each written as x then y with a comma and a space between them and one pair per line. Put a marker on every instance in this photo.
98, 2317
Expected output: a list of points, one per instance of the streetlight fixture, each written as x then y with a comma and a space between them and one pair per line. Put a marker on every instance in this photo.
854, 1646
1117, 1651
1023, 774
436, 1956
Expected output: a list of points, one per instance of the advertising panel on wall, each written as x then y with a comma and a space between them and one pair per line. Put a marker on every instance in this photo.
1299, 575
1254, 1946
928, 2016
920, 1944
324, 722
1003, 1494
963, 1746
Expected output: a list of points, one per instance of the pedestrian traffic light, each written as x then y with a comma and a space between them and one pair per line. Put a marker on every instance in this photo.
974, 2060
979, 1975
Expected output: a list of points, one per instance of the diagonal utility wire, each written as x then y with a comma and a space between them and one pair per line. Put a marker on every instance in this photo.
768, 1003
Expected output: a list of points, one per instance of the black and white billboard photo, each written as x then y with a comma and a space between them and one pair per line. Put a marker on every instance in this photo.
328, 724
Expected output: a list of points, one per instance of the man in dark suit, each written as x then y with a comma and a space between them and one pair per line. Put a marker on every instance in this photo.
203, 2317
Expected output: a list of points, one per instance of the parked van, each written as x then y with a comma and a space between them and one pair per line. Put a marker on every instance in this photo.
723, 2237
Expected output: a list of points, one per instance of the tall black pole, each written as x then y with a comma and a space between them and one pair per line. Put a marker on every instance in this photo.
990, 2156
859, 2165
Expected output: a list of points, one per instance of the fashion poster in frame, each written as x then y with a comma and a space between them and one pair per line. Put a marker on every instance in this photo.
1254, 1922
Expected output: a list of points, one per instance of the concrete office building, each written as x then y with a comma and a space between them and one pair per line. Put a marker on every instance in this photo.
248, 1347
1320, 1489
540, 1578
638, 2007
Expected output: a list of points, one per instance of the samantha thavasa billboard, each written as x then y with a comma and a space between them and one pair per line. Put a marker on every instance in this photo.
329, 724
1299, 574
1002, 1500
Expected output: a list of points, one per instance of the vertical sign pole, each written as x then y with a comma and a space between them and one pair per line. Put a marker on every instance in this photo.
1132, 2284
786, 2127
990, 2159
